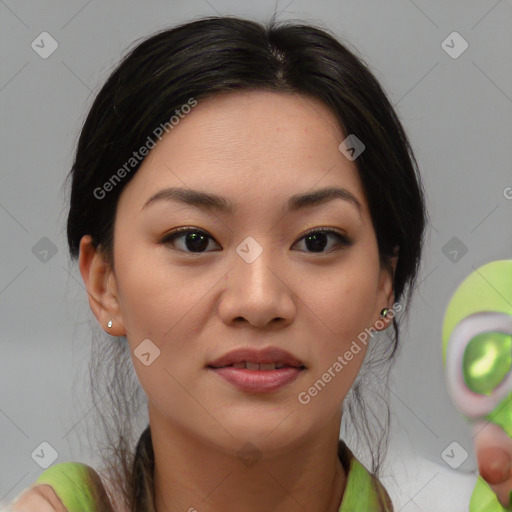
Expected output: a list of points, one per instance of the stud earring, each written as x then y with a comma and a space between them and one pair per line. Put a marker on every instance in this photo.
109, 324
384, 312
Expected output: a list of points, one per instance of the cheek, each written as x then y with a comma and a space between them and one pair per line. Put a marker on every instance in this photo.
324, 392
344, 306
166, 305
155, 296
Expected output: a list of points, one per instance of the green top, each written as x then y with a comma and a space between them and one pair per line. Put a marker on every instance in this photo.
74, 484
362, 491
484, 499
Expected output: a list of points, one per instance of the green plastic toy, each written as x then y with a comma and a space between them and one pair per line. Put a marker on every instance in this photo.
477, 354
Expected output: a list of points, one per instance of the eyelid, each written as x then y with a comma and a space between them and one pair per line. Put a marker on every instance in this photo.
175, 233
327, 230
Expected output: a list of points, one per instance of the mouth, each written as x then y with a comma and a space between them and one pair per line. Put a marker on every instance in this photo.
258, 371
251, 365
269, 358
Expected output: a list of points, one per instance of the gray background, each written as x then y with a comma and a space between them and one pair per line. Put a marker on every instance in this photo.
456, 111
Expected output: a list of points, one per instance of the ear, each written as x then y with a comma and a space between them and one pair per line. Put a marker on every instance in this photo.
386, 295
101, 287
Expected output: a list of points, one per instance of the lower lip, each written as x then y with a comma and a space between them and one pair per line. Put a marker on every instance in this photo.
258, 381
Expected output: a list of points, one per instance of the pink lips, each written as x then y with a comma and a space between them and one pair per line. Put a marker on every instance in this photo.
258, 381
263, 380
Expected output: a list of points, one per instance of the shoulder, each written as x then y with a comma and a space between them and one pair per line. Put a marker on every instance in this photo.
77, 485
40, 498
59, 487
69, 471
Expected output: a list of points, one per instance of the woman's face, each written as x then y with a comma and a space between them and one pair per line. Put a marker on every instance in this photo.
254, 280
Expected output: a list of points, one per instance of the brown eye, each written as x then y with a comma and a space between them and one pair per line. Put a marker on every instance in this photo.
317, 239
194, 240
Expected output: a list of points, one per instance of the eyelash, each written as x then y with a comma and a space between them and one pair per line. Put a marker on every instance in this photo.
343, 240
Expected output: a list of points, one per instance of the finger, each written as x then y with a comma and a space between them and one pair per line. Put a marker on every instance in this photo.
502, 492
494, 465
494, 453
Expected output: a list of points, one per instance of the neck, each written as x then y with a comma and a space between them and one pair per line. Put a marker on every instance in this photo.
197, 476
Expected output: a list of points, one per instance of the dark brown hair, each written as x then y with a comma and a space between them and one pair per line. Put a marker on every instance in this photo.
226, 54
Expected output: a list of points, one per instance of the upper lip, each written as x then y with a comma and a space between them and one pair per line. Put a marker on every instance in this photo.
262, 356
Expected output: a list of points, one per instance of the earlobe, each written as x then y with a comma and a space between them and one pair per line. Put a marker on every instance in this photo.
387, 287
101, 288
385, 318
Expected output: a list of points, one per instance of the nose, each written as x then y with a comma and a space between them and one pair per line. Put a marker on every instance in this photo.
257, 290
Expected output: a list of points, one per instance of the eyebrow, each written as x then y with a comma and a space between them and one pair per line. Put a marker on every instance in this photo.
213, 202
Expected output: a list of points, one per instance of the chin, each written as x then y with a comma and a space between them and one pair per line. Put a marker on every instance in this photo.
269, 437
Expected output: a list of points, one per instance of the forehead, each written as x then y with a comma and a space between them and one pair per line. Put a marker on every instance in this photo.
274, 120
252, 143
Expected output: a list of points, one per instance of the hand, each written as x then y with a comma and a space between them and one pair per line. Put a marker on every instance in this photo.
39, 498
494, 454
